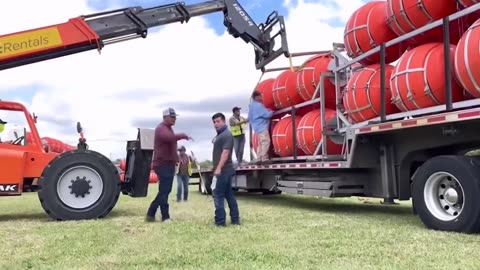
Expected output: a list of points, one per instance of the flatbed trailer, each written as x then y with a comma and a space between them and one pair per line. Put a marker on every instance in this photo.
418, 155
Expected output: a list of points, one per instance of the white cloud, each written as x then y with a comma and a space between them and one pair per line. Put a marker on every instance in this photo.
180, 62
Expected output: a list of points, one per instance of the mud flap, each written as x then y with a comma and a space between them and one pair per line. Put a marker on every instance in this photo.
138, 162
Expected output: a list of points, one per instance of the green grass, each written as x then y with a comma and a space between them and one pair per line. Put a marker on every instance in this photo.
278, 232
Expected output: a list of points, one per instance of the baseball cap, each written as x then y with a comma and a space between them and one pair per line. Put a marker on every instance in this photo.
169, 112
2, 122
236, 108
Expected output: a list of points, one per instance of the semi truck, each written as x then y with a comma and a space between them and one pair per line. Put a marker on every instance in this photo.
419, 155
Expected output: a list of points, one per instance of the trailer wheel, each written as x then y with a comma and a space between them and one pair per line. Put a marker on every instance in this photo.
446, 193
80, 184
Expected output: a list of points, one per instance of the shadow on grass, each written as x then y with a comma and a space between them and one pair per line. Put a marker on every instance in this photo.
123, 213
327, 204
43, 217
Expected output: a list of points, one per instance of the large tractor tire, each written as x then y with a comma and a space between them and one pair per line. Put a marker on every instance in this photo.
446, 193
79, 184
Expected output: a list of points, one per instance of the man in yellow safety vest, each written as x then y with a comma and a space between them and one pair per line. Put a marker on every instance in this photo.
237, 128
184, 171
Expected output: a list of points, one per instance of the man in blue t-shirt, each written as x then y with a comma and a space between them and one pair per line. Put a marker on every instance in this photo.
259, 117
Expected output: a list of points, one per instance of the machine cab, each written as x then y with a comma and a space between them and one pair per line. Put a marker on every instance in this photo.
14, 134
22, 157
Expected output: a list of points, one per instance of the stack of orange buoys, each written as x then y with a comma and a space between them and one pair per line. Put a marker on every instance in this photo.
362, 100
467, 55
282, 137
418, 79
309, 133
366, 29
405, 16
308, 78
285, 90
266, 89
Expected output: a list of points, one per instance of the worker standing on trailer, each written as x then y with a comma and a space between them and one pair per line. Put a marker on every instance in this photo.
223, 173
259, 117
183, 174
237, 128
2, 127
165, 159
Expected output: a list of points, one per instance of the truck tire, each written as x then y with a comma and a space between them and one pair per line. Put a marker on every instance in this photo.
446, 193
79, 184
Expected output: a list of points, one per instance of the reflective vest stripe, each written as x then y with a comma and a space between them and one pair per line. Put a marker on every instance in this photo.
238, 129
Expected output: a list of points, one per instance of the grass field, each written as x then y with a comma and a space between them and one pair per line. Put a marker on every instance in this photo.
278, 232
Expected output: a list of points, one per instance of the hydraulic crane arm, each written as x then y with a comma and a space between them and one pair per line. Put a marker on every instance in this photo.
97, 30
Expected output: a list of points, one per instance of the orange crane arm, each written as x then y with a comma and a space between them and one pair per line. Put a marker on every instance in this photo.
94, 31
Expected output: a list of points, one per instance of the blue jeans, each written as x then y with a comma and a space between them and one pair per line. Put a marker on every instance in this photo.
165, 175
182, 187
223, 191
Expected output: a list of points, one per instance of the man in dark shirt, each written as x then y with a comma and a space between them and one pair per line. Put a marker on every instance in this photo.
223, 172
165, 159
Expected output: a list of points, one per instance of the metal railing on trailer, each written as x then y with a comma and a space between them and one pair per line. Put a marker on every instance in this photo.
342, 129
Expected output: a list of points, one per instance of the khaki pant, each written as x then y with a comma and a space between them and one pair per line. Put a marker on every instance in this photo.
263, 145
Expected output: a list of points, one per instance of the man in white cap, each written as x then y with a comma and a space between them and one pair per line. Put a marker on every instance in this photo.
164, 162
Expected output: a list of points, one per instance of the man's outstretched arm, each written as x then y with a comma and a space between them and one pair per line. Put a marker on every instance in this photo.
164, 135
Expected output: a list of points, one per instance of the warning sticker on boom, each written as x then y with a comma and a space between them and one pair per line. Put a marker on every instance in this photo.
29, 41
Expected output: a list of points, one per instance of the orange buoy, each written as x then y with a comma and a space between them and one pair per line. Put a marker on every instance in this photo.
285, 90
405, 16
418, 78
265, 87
362, 95
467, 3
282, 137
123, 165
467, 68
153, 177
308, 78
309, 133
366, 29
